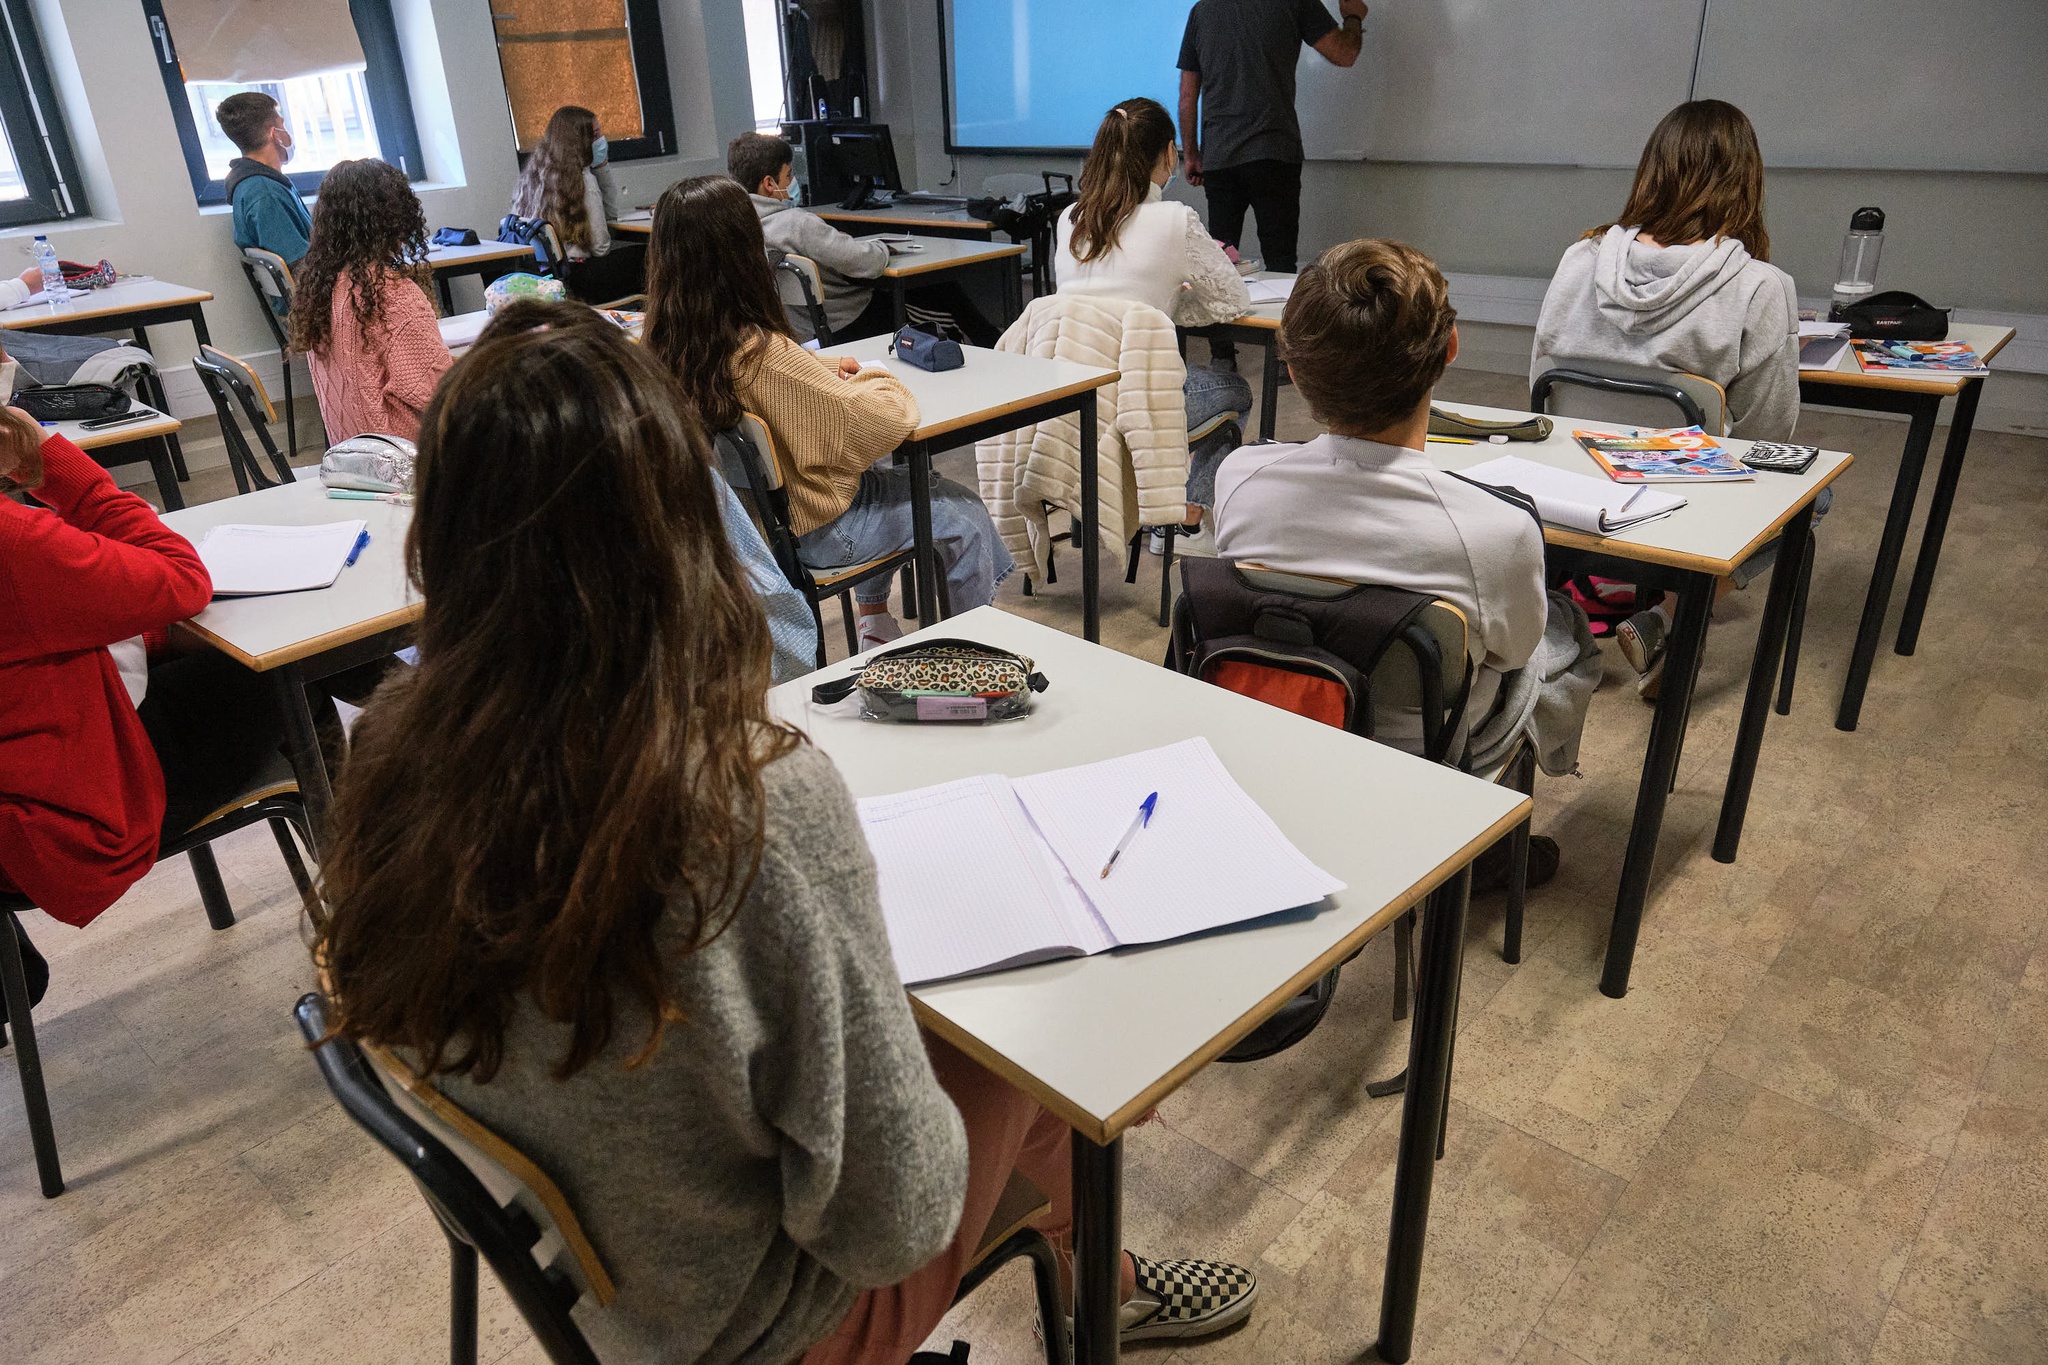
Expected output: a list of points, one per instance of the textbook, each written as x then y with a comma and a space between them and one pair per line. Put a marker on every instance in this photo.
1930, 359
992, 872
1577, 502
1662, 455
1822, 352
252, 561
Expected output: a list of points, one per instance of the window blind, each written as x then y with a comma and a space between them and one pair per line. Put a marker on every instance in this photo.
250, 41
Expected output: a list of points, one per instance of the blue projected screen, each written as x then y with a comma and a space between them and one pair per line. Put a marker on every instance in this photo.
1042, 73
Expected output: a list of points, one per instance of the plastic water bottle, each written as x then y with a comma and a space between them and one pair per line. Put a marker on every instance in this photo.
53, 274
1857, 278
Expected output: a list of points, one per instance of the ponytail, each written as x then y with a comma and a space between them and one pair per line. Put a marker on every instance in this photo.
1117, 176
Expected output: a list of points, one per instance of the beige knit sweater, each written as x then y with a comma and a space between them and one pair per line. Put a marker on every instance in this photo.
827, 430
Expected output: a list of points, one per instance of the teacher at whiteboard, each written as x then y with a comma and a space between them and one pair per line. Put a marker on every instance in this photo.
1237, 121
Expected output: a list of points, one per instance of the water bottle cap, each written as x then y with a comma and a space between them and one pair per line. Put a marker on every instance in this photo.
1867, 220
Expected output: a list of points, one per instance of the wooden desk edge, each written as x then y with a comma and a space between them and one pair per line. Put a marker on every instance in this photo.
1858, 379
1650, 554
1103, 1131
77, 314
995, 251
986, 414
305, 649
840, 215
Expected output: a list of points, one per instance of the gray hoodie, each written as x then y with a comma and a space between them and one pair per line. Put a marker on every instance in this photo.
844, 262
1709, 309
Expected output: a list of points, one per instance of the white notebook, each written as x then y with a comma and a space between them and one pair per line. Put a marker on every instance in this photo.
992, 872
250, 561
1270, 291
1579, 502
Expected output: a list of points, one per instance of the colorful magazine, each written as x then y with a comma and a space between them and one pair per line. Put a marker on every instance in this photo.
1668, 455
1934, 359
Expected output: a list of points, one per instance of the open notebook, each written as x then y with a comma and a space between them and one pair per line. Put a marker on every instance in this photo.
992, 872
1578, 502
250, 561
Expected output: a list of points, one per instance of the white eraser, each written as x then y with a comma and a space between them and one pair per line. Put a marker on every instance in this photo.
1497, 439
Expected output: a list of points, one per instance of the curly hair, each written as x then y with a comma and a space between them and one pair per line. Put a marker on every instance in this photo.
551, 187
367, 225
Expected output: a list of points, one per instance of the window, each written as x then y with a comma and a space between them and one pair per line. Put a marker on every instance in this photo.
38, 179
333, 67
764, 63
605, 55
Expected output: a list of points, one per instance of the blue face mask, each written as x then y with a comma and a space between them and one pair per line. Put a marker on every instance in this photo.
600, 151
1171, 177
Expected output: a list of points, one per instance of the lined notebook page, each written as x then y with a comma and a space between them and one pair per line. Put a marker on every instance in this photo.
1209, 857
247, 561
967, 885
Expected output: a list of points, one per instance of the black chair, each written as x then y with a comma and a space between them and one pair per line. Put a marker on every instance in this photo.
271, 278
747, 453
273, 796
232, 383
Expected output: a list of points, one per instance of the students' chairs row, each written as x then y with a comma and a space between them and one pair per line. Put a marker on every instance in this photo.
271, 278
274, 797
234, 386
491, 1200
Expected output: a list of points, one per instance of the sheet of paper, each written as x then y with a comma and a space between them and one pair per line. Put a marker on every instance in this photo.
250, 561
1808, 330
968, 886
1822, 352
1209, 857
464, 328
1581, 502
1270, 291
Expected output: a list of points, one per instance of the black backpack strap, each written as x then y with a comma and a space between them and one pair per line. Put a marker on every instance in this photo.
1507, 493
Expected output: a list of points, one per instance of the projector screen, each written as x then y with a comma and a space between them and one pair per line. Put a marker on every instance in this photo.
1038, 75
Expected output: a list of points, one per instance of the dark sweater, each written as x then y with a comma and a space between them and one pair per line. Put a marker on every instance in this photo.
268, 211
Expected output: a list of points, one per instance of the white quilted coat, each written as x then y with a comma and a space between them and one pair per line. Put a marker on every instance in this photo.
1141, 428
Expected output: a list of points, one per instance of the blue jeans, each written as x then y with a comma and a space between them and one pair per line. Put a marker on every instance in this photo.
878, 523
1208, 393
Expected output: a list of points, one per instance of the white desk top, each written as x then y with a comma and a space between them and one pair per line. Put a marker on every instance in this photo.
158, 425
122, 296
990, 384
1264, 316
442, 257
1987, 341
1720, 525
265, 632
944, 253
1100, 1040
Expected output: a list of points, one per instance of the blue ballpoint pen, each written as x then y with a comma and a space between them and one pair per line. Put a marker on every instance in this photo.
1138, 822
362, 542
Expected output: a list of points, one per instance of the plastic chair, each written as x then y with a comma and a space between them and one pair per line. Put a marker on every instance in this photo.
271, 278
802, 287
272, 796
231, 383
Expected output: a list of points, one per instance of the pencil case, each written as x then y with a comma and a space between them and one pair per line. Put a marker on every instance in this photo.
1443, 423
71, 402
370, 463
926, 351
959, 680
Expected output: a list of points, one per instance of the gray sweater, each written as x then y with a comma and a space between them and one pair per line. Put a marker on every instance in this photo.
845, 262
1709, 309
788, 1144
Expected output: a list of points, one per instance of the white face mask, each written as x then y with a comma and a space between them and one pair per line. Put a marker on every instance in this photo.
600, 151
282, 140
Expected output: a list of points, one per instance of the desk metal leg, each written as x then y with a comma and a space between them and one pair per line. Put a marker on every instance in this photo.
302, 748
1763, 672
1905, 492
1660, 763
1098, 1249
920, 455
1269, 391
441, 283
899, 302
153, 390
1091, 526
1441, 963
165, 468
1937, 514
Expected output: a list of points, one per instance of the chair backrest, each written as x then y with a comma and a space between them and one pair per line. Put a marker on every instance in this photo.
802, 288
529, 1236
746, 454
539, 234
271, 278
1628, 395
231, 383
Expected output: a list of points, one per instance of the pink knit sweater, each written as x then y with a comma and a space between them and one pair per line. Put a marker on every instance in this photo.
379, 380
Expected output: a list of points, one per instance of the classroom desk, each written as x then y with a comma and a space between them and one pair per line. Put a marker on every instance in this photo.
992, 393
485, 260
1721, 525
1846, 386
932, 220
1261, 328
1100, 1041
131, 305
299, 637
942, 256
154, 434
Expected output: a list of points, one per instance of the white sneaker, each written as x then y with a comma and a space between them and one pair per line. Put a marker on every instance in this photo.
879, 629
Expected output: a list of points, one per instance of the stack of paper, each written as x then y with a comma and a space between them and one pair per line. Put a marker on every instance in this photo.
1579, 502
249, 561
1270, 291
992, 872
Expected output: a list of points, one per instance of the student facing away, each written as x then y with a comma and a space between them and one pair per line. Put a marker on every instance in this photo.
567, 182
269, 214
363, 320
662, 973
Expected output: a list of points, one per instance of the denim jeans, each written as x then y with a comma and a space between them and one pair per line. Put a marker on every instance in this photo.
1209, 392
878, 523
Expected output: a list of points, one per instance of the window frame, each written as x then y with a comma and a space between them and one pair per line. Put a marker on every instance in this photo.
28, 101
650, 74
384, 77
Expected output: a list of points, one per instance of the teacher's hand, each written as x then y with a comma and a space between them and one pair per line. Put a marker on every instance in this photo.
1351, 9
1191, 165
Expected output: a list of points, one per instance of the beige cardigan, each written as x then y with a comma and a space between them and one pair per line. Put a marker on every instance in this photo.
827, 430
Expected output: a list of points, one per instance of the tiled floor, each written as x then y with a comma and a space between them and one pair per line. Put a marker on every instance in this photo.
1816, 1129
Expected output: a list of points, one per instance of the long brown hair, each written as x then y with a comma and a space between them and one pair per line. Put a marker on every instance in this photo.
1117, 176
571, 778
1701, 177
711, 301
551, 187
367, 226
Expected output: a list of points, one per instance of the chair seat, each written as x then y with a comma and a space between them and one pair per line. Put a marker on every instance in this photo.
1208, 428
827, 579
1500, 772
1021, 1204
274, 779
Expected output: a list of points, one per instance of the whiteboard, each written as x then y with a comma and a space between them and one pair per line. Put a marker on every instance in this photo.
1952, 85
1565, 82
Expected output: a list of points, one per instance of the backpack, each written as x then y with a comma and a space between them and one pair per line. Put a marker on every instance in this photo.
530, 232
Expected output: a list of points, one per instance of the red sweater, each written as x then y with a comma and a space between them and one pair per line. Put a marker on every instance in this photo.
81, 795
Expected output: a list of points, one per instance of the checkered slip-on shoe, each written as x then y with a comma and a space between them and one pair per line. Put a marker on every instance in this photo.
1187, 1298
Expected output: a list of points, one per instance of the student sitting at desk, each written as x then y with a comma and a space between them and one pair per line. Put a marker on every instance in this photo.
659, 967
363, 322
269, 214
1368, 332
853, 308
567, 183
1122, 240
714, 319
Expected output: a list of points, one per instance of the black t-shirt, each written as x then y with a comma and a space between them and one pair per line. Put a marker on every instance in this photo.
1245, 52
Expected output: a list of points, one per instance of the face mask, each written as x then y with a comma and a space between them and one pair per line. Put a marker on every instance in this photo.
1171, 177
283, 142
600, 151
